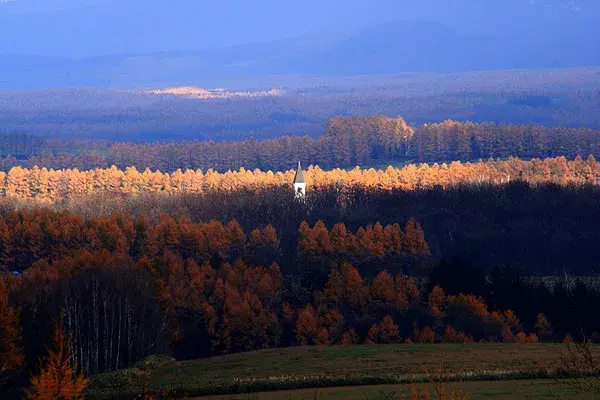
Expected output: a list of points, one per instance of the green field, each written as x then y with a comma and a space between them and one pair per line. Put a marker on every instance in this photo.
344, 369
490, 390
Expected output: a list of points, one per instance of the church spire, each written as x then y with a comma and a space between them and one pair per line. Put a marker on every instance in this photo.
299, 178
299, 183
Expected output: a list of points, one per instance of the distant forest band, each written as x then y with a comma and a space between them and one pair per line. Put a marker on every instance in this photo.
347, 142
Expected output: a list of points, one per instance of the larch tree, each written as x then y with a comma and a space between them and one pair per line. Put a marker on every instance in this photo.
437, 297
350, 338
416, 244
382, 287
388, 331
306, 326
58, 378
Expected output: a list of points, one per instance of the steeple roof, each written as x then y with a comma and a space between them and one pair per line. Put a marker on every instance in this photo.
299, 178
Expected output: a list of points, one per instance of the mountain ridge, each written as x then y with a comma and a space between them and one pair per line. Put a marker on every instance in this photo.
391, 47
85, 28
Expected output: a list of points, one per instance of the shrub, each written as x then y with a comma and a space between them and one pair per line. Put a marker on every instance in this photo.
453, 336
350, 338
154, 361
522, 337
384, 333
322, 337
427, 336
507, 335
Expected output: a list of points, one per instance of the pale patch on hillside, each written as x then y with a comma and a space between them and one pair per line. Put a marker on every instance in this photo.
191, 92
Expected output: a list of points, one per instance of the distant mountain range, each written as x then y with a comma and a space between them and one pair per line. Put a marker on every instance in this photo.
118, 50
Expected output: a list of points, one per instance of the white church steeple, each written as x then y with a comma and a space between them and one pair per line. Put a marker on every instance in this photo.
299, 183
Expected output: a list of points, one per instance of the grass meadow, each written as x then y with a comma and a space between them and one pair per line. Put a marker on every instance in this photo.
488, 371
487, 390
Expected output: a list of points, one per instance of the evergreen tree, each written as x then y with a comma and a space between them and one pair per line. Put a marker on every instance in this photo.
58, 378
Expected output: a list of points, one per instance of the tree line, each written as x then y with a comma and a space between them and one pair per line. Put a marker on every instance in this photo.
544, 228
58, 185
347, 142
41, 235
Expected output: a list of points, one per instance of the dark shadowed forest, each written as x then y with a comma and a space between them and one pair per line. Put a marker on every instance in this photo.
129, 286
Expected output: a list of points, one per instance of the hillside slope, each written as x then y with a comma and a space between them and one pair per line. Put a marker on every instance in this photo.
276, 369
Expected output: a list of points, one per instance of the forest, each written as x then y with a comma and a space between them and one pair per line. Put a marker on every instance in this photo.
196, 249
568, 97
347, 142
127, 288
43, 186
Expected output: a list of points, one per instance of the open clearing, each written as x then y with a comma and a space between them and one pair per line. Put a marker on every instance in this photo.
334, 366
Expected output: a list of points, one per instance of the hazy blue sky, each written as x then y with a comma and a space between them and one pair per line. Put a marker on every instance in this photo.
78, 28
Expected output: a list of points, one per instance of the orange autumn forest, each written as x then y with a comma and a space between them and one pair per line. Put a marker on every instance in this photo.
365, 256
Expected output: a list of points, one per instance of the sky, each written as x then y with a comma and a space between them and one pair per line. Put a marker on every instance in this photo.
87, 28
126, 43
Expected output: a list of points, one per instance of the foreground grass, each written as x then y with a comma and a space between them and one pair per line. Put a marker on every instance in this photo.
320, 367
498, 390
